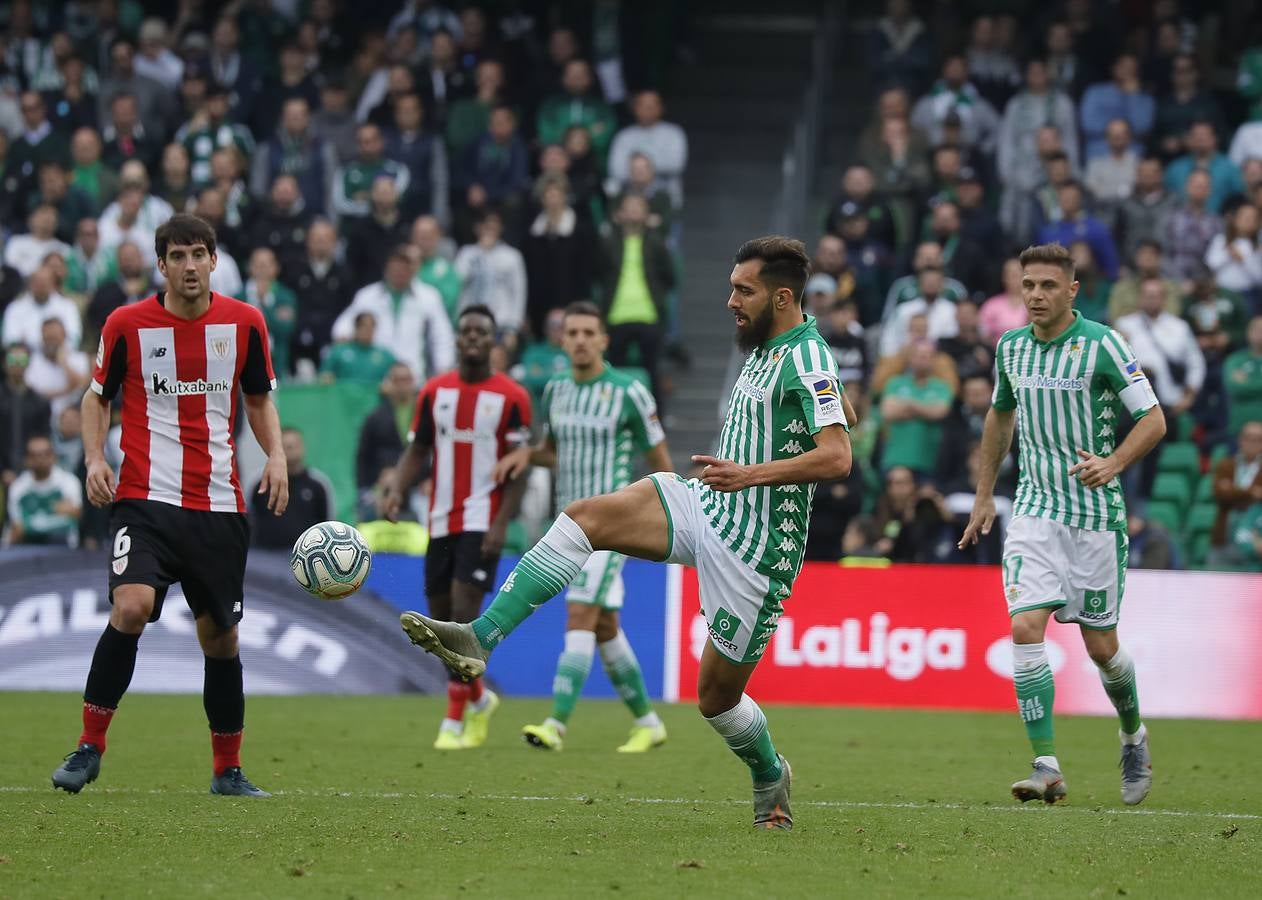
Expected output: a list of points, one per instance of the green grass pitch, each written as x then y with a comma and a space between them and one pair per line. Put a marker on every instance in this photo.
888, 804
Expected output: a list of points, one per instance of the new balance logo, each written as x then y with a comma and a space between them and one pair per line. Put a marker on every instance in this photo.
236, 607
791, 447
783, 565
157, 352
789, 506
787, 545
1031, 710
797, 426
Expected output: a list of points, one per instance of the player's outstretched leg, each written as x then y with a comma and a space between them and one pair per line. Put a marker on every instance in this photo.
573, 666
1117, 673
1036, 694
624, 674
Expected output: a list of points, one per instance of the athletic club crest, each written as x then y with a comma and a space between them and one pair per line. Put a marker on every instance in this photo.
221, 346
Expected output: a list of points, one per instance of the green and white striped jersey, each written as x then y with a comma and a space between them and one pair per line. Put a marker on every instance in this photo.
597, 426
1068, 394
787, 391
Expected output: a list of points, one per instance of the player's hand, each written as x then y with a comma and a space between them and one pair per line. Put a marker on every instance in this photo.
389, 503
722, 474
511, 465
493, 540
100, 483
275, 483
1095, 471
980, 522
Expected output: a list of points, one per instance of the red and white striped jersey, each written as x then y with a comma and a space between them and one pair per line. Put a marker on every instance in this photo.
180, 382
470, 426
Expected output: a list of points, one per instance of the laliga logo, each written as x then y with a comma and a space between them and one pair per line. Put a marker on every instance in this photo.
999, 656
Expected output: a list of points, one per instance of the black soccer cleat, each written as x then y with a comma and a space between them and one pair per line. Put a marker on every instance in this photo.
233, 783
78, 769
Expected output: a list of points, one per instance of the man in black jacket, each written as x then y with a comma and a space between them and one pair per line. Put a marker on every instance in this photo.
282, 224
370, 239
310, 499
381, 437
24, 414
324, 289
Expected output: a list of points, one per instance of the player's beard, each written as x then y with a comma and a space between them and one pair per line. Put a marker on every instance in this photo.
754, 335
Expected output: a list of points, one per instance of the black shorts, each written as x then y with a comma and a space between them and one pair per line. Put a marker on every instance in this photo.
159, 544
458, 557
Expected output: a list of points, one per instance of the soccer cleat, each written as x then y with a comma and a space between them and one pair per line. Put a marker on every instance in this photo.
1044, 783
771, 800
452, 642
477, 722
233, 783
545, 736
449, 740
78, 769
644, 738
1136, 766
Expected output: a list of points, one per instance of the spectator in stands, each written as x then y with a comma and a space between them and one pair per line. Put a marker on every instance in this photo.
127, 223
912, 520
126, 137
928, 255
1246, 144
310, 499
225, 278
324, 287
846, 339
296, 149
292, 80
559, 251
1065, 65
155, 59
836, 502
55, 190
175, 181
278, 303
991, 65
963, 427
1234, 255
228, 170
962, 258
1145, 213
899, 48
26, 252
1094, 288
436, 253
414, 145
1146, 263
1077, 224
972, 353
1039, 105
495, 172
642, 179
584, 173
352, 183
868, 260
1111, 176
45, 501
1122, 98
132, 281
831, 260
370, 239
664, 143
467, 117
1237, 481
1185, 104
282, 223
914, 405
25, 413
899, 161
88, 173
858, 188
233, 70
382, 436
154, 103
635, 272
411, 321
1242, 378
209, 130
1217, 316
953, 98
153, 210
543, 358
24, 317
1190, 228
1006, 310
38, 143
494, 275
578, 104
358, 360
58, 371
88, 265
978, 224
334, 121
1203, 155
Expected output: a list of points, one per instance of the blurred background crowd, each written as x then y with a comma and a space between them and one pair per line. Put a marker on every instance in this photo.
372, 168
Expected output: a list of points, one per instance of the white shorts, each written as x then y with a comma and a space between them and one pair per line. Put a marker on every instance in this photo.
599, 583
741, 605
1079, 573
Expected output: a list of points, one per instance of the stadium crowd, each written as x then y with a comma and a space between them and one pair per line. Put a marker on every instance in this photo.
370, 170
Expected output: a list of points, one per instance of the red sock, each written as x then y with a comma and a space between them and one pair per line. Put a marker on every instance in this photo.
457, 695
96, 719
475, 690
227, 750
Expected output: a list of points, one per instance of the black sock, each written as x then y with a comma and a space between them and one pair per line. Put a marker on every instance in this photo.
112, 666
223, 695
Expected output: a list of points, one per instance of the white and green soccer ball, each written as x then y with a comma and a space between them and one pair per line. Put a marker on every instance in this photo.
330, 560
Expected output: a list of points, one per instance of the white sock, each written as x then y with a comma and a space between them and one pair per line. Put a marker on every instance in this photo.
559, 726
652, 720
581, 642
1049, 761
452, 725
1136, 738
479, 704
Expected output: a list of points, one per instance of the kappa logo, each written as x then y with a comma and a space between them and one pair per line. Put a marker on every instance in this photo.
787, 506
787, 545
1107, 396
157, 352
788, 526
789, 488
783, 565
797, 426
792, 447
783, 591
1106, 431
1106, 414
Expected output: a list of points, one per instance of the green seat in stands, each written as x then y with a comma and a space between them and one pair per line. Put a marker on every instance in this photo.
1172, 487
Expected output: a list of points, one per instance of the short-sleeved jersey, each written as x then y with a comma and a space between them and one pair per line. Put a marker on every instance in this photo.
1069, 393
787, 391
469, 426
180, 381
597, 426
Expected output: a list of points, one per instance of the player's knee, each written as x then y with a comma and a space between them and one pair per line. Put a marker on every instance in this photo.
581, 511
1025, 631
606, 627
714, 697
133, 605
218, 643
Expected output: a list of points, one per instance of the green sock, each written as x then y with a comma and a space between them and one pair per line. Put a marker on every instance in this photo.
744, 729
572, 668
624, 673
1036, 693
543, 573
1118, 676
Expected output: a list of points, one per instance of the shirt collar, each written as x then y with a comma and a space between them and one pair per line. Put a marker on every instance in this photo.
808, 323
1071, 331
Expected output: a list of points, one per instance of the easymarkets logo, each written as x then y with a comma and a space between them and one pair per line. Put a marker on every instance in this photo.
1049, 383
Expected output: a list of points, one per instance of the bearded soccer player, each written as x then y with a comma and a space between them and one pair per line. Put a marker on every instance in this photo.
180, 358
594, 418
1062, 382
742, 524
466, 420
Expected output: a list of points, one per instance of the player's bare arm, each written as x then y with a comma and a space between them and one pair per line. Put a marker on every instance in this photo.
996, 439
512, 464
1096, 471
852, 417
829, 458
412, 465
493, 541
658, 458
96, 423
264, 421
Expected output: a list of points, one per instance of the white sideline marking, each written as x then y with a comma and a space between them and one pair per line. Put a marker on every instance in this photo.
674, 801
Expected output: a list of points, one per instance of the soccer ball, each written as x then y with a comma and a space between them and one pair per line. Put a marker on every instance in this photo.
330, 560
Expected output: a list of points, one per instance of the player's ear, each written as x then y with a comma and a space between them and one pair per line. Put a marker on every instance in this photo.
214, 260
